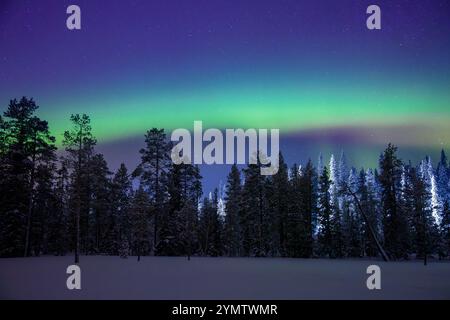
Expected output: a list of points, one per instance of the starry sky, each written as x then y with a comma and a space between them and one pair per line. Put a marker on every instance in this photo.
310, 68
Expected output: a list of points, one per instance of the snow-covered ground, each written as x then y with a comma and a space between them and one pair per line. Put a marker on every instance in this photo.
220, 278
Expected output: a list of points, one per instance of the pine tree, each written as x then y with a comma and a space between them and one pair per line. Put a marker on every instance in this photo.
232, 212
189, 231
218, 222
337, 247
443, 179
423, 222
366, 248
59, 227
44, 202
336, 219
102, 237
325, 239
254, 212
444, 245
210, 228
41, 150
294, 230
121, 192
25, 146
334, 178
394, 222
153, 170
320, 165
171, 223
344, 172
278, 198
184, 190
351, 218
79, 144
343, 176
433, 202
308, 208
367, 194
140, 207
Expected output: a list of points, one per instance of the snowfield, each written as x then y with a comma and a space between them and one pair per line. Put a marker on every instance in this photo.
220, 278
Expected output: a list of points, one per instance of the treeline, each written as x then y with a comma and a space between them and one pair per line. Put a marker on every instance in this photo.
74, 204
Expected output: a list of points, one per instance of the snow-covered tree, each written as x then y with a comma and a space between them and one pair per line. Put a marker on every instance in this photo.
343, 169
343, 175
220, 201
325, 230
443, 178
351, 220
334, 178
320, 165
433, 201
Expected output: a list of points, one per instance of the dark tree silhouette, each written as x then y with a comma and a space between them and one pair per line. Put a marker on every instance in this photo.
79, 144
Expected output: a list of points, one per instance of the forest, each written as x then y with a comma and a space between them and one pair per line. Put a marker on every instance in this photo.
69, 202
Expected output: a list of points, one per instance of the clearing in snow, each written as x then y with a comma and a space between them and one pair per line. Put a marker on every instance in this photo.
173, 278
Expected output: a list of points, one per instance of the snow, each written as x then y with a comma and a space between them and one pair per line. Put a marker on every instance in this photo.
157, 278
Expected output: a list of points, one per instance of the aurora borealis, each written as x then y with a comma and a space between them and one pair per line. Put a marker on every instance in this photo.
309, 68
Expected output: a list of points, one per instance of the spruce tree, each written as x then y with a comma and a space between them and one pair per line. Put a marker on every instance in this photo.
294, 230
59, 221
184, 190
102, 236
325, 232
334, 186
44, 205
277, 214
394, 222
444, 245
352, 219
121, 193
308, 208
443, 179
41, 150
367, 193
188, 214
423, 222
254, 212
232, 213
210, 227
433, 201
140, 207
343, 176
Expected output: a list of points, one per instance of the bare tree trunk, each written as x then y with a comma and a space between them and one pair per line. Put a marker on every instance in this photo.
372, 232
27, 235
77, 242
30, 206
29, 215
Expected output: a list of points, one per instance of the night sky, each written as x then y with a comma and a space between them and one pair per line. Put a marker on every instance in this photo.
310, 68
